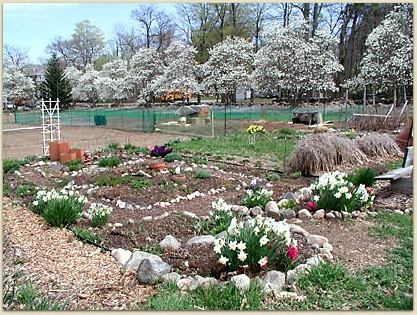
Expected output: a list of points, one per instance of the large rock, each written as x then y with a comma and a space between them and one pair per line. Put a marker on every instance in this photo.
242, 282
304, 214
170, 242
137, 258
303, 194
274, 214
271, 206
274, 281
299, 230
150, 270
288, 214
314, 261
256, 210
184, 283
326, 254
201, 240
330, 216
317, 239
240, 209
121, 255
328, 246
289, 196
319, 214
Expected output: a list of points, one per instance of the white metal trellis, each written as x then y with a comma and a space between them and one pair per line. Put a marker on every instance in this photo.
51, 129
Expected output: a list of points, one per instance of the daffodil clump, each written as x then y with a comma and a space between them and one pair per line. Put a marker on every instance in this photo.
332, 191
99, 214
254, 129
219, 218
258, 243
59, 207
256, 195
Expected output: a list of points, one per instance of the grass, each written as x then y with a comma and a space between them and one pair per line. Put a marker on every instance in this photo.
10, 165
266, 147
141, 183
225, 297
394, 164
74, 166
332, 286
24, 296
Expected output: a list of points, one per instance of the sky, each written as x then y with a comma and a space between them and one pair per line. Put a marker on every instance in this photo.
35, 25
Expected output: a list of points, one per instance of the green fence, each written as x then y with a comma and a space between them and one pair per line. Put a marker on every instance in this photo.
222, 120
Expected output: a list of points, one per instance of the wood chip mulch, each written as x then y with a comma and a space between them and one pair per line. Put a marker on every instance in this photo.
63, 267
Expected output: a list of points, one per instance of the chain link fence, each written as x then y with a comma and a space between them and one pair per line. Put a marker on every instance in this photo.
222, 120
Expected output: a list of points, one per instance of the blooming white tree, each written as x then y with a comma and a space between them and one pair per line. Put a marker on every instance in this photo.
292, 60
16, 85
145, 66
179, 72
86, 88
228, 67
388, 59
111, 81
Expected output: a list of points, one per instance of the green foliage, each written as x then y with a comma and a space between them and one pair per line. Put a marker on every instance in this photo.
128, 146
25, 190
56, 85
171, 157
27, 160
112, 180
392, 165
272, 176
222, 298
296, 175
258, 164
256, 195
141, 183
88, 235
286, 131
202, 174
170, 142
74, 166
289, 204
10, 165
138, 150
365, 176
6, 189
61, 213
24, 296
218, 220
109, 161
113, 145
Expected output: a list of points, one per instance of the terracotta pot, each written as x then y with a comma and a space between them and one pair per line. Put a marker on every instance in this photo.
65, 147
78, 153
54, 150
178, 178
66, 157
157, 167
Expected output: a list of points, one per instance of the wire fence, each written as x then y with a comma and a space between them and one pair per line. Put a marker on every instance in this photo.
222, 120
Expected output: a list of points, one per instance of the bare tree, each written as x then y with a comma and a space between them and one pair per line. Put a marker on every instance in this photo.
146, 16
165, 30
14, 55
259, 15
125, 41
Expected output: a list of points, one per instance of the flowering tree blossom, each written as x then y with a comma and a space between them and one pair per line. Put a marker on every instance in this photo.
145, 66
179, 72
111, 81
86, 89
388, 59
228, 67
292, 60
16, 85
73, 75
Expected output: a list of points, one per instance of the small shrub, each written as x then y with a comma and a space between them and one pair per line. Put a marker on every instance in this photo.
10, 165
392, 165
110, 161
161, 151
332, 191
203, 174
287, 204
365, 176
88, 235
138, 150
26, 190
141, 183
219, 219
27, 160
74, 166
171, 157
286, 131
259, 243
59, 208
111, 180
6, 189
256, 195
113, 145
128, 146
99, 214
272, 176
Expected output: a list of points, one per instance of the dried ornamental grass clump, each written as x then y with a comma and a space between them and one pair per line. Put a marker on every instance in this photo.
323, 152
379, 145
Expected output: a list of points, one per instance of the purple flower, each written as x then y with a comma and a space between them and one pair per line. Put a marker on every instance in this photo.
160, 151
